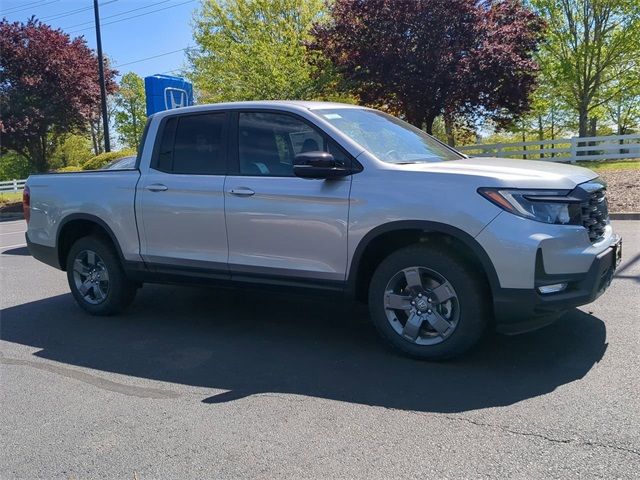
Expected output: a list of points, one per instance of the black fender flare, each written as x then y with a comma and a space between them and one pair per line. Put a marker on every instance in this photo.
426, 227
91, 218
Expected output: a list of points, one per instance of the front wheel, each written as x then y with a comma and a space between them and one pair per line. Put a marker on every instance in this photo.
427, 303
96, 278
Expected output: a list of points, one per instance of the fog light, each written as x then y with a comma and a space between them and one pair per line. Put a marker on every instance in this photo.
555, 288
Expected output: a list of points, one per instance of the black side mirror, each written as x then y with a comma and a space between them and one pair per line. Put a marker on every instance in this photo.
318, 165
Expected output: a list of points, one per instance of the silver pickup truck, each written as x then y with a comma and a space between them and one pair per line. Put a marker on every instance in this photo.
338, 198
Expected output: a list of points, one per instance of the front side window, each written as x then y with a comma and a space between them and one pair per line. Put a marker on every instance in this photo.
193, 144
268, 143
388, 138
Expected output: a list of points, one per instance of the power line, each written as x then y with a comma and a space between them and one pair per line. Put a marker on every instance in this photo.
12, 11
170, 71
69, 13
148, 13
118, 14
152, 57
135, 16
24, 5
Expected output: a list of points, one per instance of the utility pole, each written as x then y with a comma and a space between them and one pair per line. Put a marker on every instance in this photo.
103, 88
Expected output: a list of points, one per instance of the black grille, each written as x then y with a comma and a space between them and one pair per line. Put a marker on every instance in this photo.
595, 213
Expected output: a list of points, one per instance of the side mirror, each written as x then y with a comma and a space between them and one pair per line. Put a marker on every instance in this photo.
318, 165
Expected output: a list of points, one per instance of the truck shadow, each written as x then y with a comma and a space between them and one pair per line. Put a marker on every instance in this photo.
248, 343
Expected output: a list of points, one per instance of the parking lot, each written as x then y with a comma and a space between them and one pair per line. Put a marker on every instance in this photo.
203, 383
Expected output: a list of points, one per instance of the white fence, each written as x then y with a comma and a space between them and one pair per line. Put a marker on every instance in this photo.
12, 186
573, 149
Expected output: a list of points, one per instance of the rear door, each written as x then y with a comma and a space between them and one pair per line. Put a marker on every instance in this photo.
281, 226
181, 199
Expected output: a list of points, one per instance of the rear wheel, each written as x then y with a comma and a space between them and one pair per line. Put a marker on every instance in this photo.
96, 278
427, 303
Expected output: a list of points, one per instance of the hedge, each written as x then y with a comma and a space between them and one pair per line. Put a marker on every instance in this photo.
69, 168
101, 160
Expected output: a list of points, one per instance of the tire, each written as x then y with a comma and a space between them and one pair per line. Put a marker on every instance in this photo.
94, 266
434, 329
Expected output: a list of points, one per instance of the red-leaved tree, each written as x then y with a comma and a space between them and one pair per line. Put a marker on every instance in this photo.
425, 58
48, 87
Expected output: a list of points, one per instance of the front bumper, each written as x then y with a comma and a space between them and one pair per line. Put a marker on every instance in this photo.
520, 310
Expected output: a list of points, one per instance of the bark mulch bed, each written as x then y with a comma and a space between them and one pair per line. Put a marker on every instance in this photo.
623, 189
11, 207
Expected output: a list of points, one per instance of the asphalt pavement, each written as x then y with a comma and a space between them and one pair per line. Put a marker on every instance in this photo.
206, 383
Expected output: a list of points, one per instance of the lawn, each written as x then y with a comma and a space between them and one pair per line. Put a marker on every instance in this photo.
10, 197
632, 164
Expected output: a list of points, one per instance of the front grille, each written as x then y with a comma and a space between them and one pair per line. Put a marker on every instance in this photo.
595, 212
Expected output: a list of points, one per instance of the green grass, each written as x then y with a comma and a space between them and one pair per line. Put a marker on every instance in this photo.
10, 197
611, 165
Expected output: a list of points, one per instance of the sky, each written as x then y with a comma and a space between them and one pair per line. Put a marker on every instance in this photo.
140, 29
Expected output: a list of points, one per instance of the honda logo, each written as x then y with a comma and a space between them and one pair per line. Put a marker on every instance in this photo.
175, 98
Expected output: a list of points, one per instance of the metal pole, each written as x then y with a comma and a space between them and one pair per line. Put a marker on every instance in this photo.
103, 89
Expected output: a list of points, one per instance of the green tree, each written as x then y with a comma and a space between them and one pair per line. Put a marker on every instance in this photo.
623, 105
130, 114
587, 42
14, 166
74, 150
548, 117
255, 49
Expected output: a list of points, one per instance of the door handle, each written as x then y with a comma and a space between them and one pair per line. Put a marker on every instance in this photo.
156, 187
242, 192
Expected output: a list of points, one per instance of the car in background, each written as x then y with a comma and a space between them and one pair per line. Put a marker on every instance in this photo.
125, 163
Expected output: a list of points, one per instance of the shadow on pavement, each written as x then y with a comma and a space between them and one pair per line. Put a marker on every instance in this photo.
17, 251
251, 343
626, 265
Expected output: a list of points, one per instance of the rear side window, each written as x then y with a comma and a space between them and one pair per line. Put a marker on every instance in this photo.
165, 153
193, 144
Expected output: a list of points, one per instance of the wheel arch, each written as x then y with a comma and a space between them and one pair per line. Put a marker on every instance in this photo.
381, 241
78, 225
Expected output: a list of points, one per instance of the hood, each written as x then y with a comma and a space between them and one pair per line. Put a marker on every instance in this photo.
511, 172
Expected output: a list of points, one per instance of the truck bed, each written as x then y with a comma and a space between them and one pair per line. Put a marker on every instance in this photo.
108, 195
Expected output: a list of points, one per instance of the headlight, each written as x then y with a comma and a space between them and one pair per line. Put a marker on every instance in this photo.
548, 206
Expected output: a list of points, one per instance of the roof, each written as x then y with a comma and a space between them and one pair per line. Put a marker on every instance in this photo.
288, 104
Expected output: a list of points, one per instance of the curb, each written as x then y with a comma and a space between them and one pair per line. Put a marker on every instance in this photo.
625, 216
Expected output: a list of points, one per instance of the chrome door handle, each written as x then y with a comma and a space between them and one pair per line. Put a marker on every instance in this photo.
242, 192
156, 187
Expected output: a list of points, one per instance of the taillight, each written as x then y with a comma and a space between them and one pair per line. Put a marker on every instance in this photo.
26, 203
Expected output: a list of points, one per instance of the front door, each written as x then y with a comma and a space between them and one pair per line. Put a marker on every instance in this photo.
181, 200
279, 225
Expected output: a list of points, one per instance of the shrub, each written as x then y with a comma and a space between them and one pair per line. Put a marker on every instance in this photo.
101, 160
69, 168
13, 165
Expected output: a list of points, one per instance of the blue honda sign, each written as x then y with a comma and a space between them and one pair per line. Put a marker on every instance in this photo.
165, 92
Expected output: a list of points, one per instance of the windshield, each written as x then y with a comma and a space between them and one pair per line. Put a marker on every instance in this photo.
388, 138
